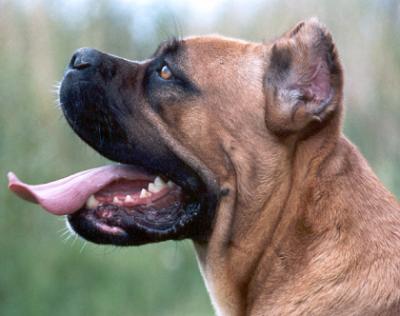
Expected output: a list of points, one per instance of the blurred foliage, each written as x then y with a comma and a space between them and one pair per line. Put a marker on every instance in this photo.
44, 274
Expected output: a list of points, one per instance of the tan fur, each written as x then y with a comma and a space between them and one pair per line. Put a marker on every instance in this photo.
306, 227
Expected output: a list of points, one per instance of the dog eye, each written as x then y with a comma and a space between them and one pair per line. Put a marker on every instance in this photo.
165, 73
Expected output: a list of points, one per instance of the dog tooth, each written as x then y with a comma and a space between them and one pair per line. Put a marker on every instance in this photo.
92, 202
128, 199
153, 188
144, 194
116, 200
159, 182
170, 184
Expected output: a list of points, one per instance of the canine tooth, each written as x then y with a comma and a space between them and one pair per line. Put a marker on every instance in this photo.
128, 199
153, 188
144, 194
159, 182
157, 185
92, 202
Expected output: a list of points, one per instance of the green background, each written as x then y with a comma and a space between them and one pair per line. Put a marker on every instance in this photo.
42, 272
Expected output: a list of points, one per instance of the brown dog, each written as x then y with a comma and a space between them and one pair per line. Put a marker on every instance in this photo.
285, 214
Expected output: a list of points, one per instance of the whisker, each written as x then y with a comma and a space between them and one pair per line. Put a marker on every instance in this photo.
67, 238
83, 246
74, 241
65, 233
62, 229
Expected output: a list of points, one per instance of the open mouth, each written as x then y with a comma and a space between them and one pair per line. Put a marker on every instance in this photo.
155, 192
118, 204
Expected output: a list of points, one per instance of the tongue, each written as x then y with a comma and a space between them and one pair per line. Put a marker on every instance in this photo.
68, 195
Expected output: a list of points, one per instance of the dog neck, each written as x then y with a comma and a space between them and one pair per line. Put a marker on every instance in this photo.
252, 250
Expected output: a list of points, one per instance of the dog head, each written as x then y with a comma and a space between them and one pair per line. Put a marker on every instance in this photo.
215, 116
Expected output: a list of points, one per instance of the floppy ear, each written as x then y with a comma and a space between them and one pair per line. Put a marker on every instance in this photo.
303, 81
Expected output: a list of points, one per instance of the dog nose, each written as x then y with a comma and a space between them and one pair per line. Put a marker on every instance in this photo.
84, 58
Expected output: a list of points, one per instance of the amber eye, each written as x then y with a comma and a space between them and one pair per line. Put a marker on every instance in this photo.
165, 73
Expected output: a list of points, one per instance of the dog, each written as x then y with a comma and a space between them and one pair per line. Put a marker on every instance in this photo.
237, 146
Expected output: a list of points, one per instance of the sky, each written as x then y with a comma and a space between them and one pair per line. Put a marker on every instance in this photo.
205, 11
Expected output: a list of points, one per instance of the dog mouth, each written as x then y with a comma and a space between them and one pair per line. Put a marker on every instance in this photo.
154, 192
116, 204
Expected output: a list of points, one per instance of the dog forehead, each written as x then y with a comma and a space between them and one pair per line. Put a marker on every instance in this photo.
223, 57
215, 47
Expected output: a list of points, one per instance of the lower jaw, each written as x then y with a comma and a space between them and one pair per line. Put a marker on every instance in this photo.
129, 230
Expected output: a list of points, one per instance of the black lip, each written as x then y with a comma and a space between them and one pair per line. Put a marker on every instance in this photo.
101, 106
130, 231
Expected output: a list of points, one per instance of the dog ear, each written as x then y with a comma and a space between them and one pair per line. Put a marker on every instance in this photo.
303, 80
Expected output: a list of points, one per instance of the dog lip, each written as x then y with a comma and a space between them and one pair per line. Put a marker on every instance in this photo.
68, 195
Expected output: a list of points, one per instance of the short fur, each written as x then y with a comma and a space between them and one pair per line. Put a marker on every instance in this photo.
307, 228
302, 225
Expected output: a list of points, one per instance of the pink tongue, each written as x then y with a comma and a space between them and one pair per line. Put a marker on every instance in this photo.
68, 195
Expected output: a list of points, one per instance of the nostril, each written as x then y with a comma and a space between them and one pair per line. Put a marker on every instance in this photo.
78, 61
85, 57
81, 64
